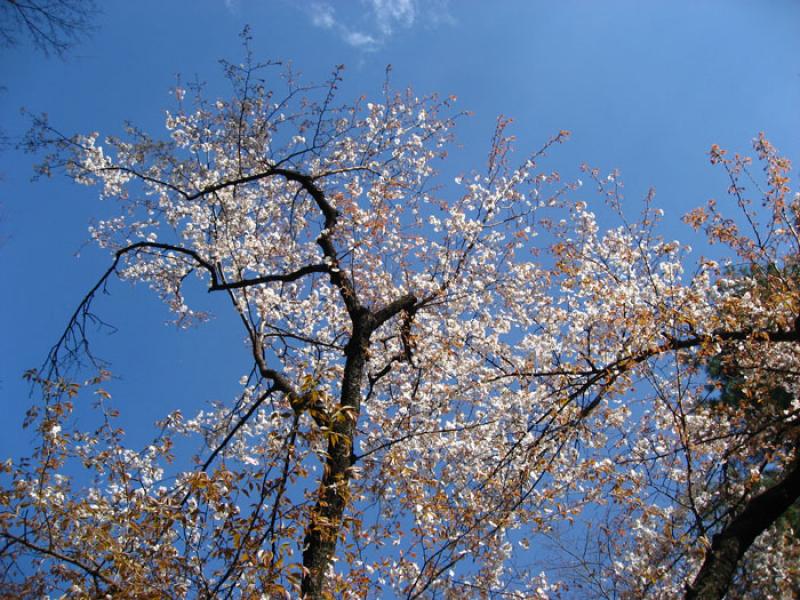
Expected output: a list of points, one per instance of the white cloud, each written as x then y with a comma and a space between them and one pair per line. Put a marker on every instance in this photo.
377, 20
322, 15
360, 40
387, 13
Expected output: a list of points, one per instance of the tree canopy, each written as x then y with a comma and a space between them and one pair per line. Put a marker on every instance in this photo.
452, 381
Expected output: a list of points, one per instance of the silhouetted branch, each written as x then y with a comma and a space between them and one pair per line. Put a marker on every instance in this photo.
52, 26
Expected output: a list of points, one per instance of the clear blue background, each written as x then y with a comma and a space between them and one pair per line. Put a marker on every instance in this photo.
644, 86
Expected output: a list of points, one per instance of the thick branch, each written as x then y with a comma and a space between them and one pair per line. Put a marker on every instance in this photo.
216, 283
280, 277
338, 278
404, 302
329, 212
331, 215
730, 544
172, 248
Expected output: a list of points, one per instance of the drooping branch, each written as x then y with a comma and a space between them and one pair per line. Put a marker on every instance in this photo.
170, 248
83, 313
69, 342
308, 182
74, 343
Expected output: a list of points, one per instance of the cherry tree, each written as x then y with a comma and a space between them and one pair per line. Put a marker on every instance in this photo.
457, 388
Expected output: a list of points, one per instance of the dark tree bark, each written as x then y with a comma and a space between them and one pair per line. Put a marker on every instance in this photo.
730, 544
325, 521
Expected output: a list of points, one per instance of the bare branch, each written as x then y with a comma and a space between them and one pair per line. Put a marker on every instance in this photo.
91, 570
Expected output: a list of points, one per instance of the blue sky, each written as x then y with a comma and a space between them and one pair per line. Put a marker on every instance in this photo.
644, 86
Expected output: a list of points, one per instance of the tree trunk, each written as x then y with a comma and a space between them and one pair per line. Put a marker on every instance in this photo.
730, 544
326, 519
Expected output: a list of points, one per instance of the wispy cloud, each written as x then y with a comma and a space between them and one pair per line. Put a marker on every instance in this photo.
360, 39
322, 15
370, 23
389, 13
233, 6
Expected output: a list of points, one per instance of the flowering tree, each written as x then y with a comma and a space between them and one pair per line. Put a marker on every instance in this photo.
450, 383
